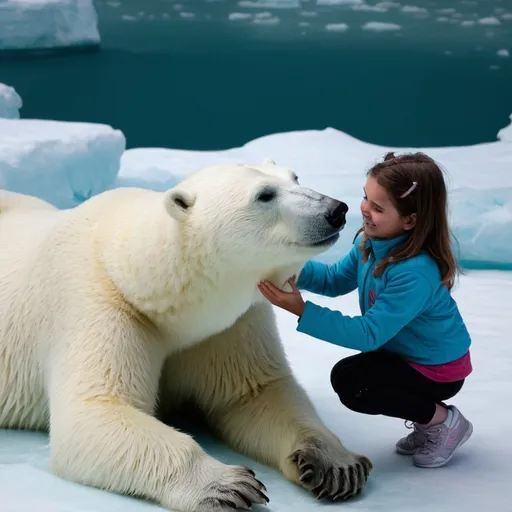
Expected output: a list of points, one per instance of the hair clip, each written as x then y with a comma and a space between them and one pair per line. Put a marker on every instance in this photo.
413, 186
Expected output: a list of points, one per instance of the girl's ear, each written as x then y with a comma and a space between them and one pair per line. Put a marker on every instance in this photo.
410, 222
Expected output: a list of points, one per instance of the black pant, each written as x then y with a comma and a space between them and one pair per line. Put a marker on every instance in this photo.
380, 382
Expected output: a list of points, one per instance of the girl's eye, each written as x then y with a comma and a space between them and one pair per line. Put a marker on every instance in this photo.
376, 208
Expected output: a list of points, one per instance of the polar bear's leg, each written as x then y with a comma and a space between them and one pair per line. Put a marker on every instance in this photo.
242, 381
103, 386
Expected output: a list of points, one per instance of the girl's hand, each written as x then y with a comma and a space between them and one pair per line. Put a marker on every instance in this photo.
290, 301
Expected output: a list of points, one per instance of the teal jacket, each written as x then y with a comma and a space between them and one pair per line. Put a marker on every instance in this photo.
406, 310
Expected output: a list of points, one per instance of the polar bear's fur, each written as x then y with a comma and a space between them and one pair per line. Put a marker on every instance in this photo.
136, 301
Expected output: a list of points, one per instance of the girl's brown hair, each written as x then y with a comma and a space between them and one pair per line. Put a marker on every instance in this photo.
428, 200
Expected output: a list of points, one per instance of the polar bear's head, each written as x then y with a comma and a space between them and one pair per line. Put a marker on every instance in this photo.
253, 216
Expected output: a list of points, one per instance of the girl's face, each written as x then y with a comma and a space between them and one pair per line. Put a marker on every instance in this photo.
381, 218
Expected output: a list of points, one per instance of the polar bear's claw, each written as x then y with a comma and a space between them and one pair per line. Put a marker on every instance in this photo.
242, 493
335, 476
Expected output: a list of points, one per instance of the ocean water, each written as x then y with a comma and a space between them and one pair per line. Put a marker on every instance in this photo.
209, 75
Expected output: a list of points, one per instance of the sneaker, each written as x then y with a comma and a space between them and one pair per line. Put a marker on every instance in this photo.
409, 444
442, 440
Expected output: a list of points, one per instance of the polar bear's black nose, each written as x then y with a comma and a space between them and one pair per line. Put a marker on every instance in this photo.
336, 218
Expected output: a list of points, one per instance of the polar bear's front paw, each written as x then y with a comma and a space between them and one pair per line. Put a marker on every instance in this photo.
330, 472
240, 489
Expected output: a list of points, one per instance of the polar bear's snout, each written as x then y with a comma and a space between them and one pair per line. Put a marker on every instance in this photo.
337, 217
319, 226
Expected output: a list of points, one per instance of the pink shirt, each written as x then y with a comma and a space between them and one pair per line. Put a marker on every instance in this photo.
447, 372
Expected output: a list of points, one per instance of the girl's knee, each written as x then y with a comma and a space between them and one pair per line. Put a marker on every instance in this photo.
349, 382
349, 370
346, 380
339, 374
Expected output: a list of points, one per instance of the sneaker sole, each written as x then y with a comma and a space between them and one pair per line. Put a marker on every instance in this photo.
467, 435
403, 451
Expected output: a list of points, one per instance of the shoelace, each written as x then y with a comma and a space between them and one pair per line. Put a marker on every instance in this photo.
433, 440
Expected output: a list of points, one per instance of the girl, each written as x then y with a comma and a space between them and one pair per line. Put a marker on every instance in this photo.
413, 342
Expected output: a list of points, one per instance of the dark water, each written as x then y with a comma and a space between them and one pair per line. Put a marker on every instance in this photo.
183, 75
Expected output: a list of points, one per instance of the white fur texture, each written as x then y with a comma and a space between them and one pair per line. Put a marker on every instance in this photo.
120, 310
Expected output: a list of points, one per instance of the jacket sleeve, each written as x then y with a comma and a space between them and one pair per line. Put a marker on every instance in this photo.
330, 280
406, 296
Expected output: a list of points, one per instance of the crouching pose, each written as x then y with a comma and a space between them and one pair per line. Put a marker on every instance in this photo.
414, 344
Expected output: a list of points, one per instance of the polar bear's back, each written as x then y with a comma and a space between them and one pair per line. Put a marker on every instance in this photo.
10, 201
24, 221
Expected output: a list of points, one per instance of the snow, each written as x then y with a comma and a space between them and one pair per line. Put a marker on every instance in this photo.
61, 162
10, 102
68, 162
43, 24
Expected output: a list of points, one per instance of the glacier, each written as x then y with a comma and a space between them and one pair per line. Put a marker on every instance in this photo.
10, 102
45, 24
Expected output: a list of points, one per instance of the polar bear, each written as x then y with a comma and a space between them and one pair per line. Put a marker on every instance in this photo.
115, 312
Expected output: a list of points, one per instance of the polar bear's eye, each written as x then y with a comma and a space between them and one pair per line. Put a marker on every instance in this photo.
266, 195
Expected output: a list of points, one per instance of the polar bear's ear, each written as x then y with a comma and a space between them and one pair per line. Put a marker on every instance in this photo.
268, 161
178, 203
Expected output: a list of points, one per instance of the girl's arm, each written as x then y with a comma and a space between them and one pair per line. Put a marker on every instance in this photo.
406, 295
331, 280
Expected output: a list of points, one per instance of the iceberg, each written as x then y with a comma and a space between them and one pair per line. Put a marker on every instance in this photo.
64, 163
44, 24
10, 102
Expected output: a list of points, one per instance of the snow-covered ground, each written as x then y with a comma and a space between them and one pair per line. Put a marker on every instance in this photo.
43, 24
68, 162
